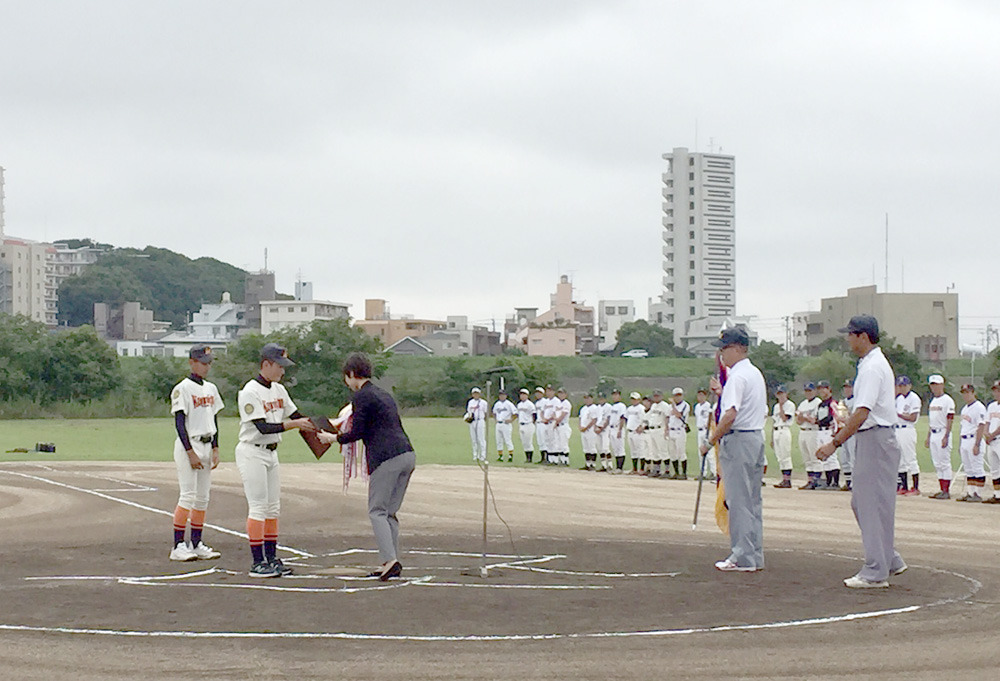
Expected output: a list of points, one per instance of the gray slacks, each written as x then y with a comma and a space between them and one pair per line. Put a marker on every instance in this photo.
386, 487
742, 460
873, 500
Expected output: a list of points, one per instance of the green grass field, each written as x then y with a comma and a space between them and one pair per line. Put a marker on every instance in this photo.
436, 440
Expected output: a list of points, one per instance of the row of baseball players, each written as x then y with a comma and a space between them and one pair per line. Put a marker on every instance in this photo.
818, 418
655, 430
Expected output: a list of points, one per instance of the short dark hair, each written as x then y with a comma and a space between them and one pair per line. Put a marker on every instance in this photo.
358, 365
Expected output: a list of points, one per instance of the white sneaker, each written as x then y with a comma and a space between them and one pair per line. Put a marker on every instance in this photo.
182, 552
856, 582
203, 552
729, 566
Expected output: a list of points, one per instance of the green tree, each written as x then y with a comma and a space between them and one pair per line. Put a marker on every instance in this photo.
537, 372
156, 375
114, 285
80, 366
23, 345
653, 338
835, 367
776, 364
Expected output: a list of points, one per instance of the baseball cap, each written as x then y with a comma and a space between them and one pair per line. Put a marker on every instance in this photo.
809, 385
823, 384
967, 388
849, 383
502, 392
678, 391
201, 353
523, 391
861, 323
476, 390
635, 396
277, 354
657, 392
903, 380
935, 378
733, 336
539, 389
996, 385
780, 389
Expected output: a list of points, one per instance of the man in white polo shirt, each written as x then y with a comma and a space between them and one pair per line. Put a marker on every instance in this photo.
741, 456
940, 417
873, 493
907, 412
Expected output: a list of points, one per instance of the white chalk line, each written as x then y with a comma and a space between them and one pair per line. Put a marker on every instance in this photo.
579, 573
143, 507
133, 487
288, 589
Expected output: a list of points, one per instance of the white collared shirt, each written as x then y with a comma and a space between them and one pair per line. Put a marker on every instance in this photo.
939, 410
526, 412
907, 404
972, 416
702, 412
875, 389
503, 411
788, 410
746, 392
477, 407
675, 422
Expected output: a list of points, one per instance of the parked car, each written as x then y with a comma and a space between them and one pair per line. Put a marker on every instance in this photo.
635, 352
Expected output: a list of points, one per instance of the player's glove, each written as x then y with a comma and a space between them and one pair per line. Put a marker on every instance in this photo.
467, 418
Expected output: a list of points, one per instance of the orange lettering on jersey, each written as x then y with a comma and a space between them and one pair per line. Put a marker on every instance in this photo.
206, 401
276, 405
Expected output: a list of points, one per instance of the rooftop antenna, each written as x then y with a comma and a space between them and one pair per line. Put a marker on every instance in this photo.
265, 259
886, 253
696, 135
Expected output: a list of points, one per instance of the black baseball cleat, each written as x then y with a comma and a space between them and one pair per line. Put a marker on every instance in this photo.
281, 567
784, 484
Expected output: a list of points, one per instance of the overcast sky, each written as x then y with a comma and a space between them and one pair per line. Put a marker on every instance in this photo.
456, 157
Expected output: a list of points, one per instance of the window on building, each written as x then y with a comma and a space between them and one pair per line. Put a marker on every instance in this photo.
691, 295
609, 309
692, 311
303, 309
691, 250
691, 234
690, 264
291, 309
272, 310
691, 176
691, 191
691, 220
692, 280
691, 207
670, 318
623, 309
938, 303
691, 160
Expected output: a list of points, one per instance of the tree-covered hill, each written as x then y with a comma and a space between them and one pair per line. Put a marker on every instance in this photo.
170, 284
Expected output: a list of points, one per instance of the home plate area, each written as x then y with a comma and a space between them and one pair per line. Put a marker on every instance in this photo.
538, 588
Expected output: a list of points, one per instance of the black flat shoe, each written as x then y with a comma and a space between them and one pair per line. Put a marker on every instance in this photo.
393, 570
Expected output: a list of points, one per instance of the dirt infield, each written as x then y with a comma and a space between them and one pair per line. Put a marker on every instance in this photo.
600, 577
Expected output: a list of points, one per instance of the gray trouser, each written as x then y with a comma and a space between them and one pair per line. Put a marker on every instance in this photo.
873, 500
742, 460
386, 488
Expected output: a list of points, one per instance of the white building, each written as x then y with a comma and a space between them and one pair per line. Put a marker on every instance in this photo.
280, 314
27, 286
702, 332
611, 315
699, 243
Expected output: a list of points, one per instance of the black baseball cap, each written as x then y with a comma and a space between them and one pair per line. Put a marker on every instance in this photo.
823, 384
201, 353
733, 336
862, 324
809, 385
277, 354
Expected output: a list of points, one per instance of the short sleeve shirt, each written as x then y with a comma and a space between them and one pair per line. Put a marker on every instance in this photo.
504, 411
907, 404
702, 412
675, 422
526, 412
634, 416
973, 415
257, 401
788, 410
875, 389
199, 402
939, 410
746, 392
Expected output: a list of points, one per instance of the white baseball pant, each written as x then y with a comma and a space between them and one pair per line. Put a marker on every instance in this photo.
825, 436
783, 447
259, 469
477, 431
678, 444
941, 455
807, 446
659, 448
527, 433
993, 459
907, 438
194, 484
505, 437
972, 462
636, 445
616, 442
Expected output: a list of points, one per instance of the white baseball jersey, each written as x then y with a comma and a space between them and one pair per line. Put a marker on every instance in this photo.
907, 404
477, 407
504, 410
547, 409
678, 422
590, 415
615, 416
973, 415
658, 414
526, 411
702, 414
259, 402
788, 409
562, 411
808, 408
993, 417
200, 403
938, 411
635, 415
603, 416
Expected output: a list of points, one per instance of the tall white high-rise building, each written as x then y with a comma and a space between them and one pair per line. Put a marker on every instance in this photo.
699, 243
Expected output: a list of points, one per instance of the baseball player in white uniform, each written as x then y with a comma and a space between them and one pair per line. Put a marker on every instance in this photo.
972, 430
635, 416
678, 430
806, 418
589, 420
992, 437
195, 404
657, 443
782, 418
526, 424
616, 431
849, 448
545, 426
475, 415
561, 430
266, 411
702, 417
601, 430
907, 413
504, 412
826, 427
940, 416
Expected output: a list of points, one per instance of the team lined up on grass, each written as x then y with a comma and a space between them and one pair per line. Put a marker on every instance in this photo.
652, 433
